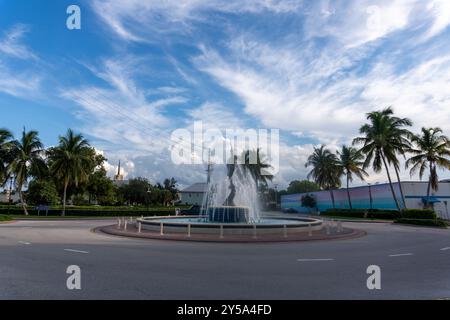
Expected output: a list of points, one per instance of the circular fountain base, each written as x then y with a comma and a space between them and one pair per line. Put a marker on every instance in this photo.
197, 228
228, 214
200, 225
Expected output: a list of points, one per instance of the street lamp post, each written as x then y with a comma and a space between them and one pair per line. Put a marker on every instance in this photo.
276, 196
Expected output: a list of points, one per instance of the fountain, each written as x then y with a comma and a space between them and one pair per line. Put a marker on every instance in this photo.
220, 205
231, 207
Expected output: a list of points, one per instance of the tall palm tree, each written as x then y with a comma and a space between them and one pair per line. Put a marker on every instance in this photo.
70, 161
384, 137
326, 171
430, 150
5, 152
400, 141
27, 158
350, 161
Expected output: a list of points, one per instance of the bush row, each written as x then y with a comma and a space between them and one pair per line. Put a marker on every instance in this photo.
100, 208
87, 213
383, 214
423, 222
418, 214
4, 217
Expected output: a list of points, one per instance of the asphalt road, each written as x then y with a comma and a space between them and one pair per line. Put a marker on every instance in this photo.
34, 256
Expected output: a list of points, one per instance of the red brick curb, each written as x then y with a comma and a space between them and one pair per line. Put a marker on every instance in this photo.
347, 233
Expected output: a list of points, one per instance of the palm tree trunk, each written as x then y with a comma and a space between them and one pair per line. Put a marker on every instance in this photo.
390, 182
332, 198
427, 204
401, 188
25, 211
348, 195
63, 213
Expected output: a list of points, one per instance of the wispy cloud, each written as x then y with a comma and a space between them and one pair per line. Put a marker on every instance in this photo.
11, 43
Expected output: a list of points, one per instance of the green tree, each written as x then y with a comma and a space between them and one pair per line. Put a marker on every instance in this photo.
308, 201
42, 192
27, 157
383, 138
100, 187
303, 186
171, 185
136, 191
5, 152
71, 161
430, 151
325, 170
351, 163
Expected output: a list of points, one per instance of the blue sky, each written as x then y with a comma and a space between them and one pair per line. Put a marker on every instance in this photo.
137, 70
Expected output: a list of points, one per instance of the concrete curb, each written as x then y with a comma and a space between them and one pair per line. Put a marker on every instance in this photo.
112, 230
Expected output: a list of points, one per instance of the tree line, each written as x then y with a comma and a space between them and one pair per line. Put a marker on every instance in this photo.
71, 169
384, 139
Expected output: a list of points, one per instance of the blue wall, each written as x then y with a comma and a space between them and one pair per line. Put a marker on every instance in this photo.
360, 197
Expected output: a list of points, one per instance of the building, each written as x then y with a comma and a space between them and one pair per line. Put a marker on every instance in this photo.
118, 178
377, 196
4, 197
193, 195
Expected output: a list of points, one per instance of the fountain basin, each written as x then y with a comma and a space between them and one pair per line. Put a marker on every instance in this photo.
228, 214
201, 225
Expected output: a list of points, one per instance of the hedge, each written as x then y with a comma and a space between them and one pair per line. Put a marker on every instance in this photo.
87, 213
362, 213
100, 208
5, 217
418, 214
423, 222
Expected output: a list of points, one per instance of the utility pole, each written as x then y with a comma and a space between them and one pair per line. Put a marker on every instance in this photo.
209, 168
276, 196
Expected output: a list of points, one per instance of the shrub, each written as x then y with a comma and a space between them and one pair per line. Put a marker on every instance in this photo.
92, 213
423, 222
4, 217
418, 214
308, 201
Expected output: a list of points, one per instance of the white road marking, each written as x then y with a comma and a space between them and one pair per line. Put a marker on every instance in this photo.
400, 255
24, 242
73, 250
307, 260
445, 249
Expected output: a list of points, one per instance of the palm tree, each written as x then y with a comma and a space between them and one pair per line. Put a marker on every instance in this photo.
5, 152
400, 142
326, 171
383, 138
430, 150
26, 161
70, 161
350, 161
255, 164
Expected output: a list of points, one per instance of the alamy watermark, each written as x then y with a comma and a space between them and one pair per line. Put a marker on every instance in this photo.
73, 21
232, 145
73, 282
374, 280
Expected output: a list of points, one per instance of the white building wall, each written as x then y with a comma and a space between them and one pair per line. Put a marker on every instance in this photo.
414, 191
192, 198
